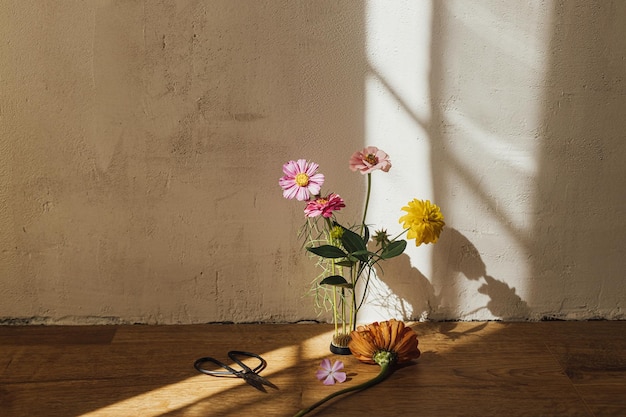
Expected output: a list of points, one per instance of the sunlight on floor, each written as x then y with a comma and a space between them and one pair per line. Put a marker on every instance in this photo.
444, 337
169, 397
189, 391
192, 393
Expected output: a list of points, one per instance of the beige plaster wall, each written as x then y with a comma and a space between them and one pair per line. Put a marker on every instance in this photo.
141, 144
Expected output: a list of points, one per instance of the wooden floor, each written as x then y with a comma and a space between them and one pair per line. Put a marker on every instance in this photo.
466, 369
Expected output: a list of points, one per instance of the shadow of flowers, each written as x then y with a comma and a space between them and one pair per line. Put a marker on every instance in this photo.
412, 296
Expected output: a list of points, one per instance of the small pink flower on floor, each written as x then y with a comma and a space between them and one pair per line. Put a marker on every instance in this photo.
329, 373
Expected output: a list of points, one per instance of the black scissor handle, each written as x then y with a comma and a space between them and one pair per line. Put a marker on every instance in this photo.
229, 371
233, 355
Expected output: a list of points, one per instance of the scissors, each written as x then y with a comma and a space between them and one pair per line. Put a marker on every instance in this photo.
251, 376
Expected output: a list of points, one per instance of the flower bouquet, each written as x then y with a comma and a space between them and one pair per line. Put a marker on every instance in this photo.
344, 253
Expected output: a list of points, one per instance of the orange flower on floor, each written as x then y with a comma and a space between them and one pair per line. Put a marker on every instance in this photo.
392, 339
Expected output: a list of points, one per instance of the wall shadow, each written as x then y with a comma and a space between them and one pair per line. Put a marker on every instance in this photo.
578, 254
464, 260
416, 298
409, 294
564, 226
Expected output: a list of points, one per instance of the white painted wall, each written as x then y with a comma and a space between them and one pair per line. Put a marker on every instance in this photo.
141, 145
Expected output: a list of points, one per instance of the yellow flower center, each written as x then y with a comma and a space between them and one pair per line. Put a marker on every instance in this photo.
371, 159
302, 179
336, 232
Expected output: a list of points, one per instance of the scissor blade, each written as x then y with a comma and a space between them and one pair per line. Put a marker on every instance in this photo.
257, 381
266, 382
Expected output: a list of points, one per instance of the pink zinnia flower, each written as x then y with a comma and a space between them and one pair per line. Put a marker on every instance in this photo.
301, 180
324, 206
370, 159
329, 373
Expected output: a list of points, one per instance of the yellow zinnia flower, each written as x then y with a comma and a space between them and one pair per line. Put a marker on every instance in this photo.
423, 221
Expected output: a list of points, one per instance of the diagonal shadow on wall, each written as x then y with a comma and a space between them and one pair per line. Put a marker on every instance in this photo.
580, 200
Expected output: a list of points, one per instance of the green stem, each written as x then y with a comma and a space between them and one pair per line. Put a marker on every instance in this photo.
356, 276
329, 226
354, 311
343, 311
367, 283
385, 370
367, 200
399, 234
335, 309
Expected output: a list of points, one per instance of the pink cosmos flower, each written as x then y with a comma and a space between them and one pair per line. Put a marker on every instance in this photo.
330, 373
301, 180
370, 159
324, 206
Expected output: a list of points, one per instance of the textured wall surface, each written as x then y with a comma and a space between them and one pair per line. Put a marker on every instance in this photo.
141, 145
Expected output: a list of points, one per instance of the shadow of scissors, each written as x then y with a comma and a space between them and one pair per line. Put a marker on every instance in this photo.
250, 375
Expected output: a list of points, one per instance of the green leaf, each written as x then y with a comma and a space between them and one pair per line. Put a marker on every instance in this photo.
347, 263
336, 280
366, 234
393, 249
353, 242
362, 254
328, 251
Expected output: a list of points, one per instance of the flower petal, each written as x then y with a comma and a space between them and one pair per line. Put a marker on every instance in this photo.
330, 380
301, 165
340, 376
302, 194
313, 188
338, 365
290, 193
322, 374
310, 169
290, 169
325, 364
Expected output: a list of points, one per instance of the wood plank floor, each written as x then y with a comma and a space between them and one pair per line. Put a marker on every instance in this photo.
466, 369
